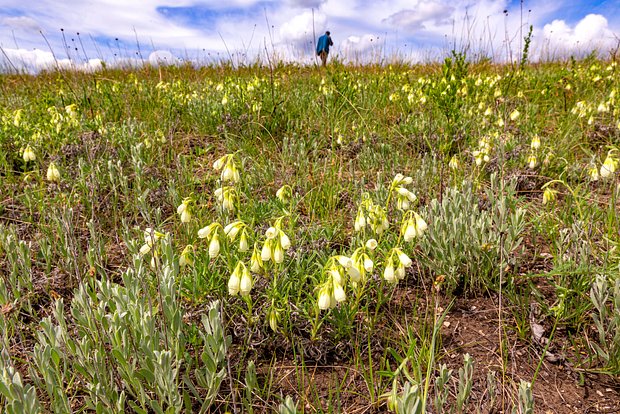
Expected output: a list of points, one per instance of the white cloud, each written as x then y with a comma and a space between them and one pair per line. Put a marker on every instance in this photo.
162, 58
591, 32
301, 28
21, 23
433, 12
36, 60
306, 3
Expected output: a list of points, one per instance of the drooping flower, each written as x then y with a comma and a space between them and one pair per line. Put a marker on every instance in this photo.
593, 172
360, 220
535, 144
284, 193
454, 163
214, 246
243, 241
246, 283
234, 282
325, 300
608, 167
53, 174
371, 244
514, 115
29, 154
420, 224
549, 195
186, 258
184, 210
388, 272
339, 293
256, 262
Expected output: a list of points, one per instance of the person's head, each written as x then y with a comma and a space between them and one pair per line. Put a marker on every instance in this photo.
327, 33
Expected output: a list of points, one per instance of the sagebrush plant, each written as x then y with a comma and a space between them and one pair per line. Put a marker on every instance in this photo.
170, 237
468, 243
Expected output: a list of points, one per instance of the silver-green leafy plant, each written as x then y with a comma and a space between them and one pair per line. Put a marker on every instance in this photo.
525, 402
469, 244
288, 406
466, 380
606, 301
124, 346
15, 396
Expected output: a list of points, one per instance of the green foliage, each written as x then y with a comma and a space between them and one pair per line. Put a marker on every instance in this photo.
392, 178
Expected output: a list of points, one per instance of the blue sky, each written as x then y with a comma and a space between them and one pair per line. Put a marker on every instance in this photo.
244, 30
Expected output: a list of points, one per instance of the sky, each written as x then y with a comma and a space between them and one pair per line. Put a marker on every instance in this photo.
36, 34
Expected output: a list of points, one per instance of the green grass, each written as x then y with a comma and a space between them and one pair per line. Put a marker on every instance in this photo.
98, 314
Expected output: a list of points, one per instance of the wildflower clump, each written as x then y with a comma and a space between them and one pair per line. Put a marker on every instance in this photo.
413, 226
227, 194
151, 246
276, 242
483, 152
185, 209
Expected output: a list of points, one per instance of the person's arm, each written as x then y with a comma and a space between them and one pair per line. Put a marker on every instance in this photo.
330, 41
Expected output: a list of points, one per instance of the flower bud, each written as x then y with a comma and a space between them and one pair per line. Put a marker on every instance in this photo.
325, 299
388, 273
214, 246
245, 285
234, 283
265, 253
243, 242
278, 254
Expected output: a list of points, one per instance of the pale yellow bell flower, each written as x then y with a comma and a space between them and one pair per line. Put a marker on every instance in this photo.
29, 154
214, 246
53, 174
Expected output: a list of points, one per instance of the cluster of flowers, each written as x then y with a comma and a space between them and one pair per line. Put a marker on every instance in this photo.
341, 269
275, 243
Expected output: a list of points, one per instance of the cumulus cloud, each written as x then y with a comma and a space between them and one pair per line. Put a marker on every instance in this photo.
300, 29
162, 58
36, 60
591, 32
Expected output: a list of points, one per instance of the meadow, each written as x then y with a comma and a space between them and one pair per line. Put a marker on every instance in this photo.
280, 238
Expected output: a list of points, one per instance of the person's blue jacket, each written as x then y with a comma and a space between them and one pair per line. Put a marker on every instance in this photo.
323, 44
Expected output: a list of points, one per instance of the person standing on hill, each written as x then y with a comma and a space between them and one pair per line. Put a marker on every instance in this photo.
322, 47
